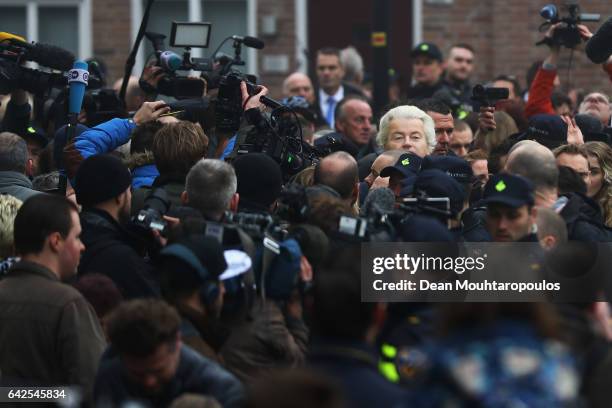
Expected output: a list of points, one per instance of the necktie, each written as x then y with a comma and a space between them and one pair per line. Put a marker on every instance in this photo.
331, 106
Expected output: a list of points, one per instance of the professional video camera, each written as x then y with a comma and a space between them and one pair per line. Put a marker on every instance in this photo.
15, 51
383, 224
176, 82
566, 35
281, 139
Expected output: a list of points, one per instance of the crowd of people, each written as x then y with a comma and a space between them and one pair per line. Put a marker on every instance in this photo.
149, 261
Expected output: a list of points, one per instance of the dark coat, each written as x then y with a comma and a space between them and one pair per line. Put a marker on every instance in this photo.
353, 366
173, 185
49, 333
420, 91
113, 251
268, 341
584, 221
195, 374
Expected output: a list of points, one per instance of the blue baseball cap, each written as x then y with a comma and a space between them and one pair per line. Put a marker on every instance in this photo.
456, 167
428, 49
510, 190
436, 183
407, 165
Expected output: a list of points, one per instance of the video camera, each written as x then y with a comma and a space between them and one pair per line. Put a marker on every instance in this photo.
488, 96
566, 35
15, 51
174, 83
379, 225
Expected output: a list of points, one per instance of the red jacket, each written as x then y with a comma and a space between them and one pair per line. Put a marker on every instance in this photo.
539, 93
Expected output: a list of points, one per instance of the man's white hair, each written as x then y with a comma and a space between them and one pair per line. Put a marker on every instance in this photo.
407, 112
352, 63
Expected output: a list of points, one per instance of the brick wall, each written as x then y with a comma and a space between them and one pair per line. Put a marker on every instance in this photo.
504, 33
112, 34
283, 43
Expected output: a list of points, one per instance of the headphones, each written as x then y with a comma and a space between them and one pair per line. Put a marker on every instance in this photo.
209, 289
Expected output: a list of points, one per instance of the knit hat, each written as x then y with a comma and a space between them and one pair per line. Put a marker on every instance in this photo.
259, 180
100, 178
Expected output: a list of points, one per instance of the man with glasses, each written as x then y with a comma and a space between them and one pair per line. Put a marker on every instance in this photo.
597, 105
574, 157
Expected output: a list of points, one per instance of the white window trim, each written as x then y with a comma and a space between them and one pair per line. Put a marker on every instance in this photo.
301, 35
85, 46
417, 22
195, 14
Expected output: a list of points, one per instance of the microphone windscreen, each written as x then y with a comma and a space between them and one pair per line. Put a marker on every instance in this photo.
380, 200
599, 47
253, 42
50, 56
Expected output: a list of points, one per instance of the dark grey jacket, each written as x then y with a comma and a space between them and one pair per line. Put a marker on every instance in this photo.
49, 333
195, 374
17, 185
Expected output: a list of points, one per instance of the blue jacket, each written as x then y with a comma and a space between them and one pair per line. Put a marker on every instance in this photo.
108, 136
505, 364
105, 137
144, 176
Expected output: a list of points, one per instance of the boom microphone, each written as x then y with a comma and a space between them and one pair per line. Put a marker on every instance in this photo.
379, 200
47, 55
50, 56
252, 42
599, 47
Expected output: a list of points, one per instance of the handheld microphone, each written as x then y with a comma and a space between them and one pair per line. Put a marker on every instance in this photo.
599, 47
170, 60
252, 42
78, 77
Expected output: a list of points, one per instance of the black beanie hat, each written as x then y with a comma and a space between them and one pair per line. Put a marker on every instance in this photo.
259, 179
100, 178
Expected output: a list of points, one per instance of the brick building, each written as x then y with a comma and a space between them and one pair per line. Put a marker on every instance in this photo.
502, 32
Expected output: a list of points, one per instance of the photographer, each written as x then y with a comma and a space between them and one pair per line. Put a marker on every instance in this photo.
541, 89
189, 275
108, 136
103, 188
176, 148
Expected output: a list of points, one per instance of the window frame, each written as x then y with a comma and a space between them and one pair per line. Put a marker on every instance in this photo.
84, 23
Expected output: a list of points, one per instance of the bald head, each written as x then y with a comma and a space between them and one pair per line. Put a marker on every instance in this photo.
338, 171
536, 163
134, 96
552, 230
298, 84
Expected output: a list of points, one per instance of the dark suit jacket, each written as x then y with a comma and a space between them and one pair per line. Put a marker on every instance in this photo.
348, 90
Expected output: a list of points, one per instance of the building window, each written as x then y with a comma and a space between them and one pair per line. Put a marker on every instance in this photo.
228, 17
66, 23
